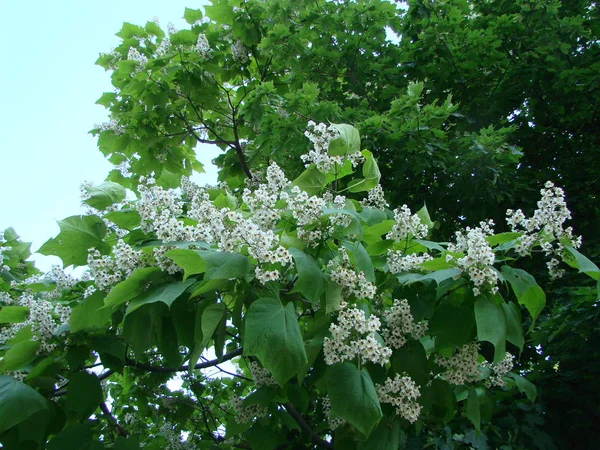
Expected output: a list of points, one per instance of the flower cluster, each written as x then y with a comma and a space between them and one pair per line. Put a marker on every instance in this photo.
263, 199
239, 52
44, 318
320, 135
202, 46
134, 55
334, 422
499, 370
110, 270
247, 413
261, 376
403, 393
479, 257
462, 367
408, 225
354, 336
400, 323
173, 438
375, 198
113, 126
546, 225
353, 283
399, 262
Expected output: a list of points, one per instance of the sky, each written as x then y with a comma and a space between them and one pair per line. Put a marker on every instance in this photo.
47, 105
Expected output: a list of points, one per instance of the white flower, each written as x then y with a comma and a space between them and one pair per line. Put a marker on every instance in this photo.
407, 226
401, 392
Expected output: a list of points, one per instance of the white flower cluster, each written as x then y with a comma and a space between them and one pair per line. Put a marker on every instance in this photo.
202, 46
263, 199
499, 370
175, 441
62, 279
110, 270
355, 336
44, 318
479, 257
261, 376
159, 209
134, 55
353, 283
334, 422
239, 52
400, 323
248, 413
111, 125
462, 367
3, 248
546, 225
163, 48
375, 198
408, 225
403, 393
321, 135
398, 262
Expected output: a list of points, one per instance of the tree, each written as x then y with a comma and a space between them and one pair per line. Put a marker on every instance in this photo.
329, 315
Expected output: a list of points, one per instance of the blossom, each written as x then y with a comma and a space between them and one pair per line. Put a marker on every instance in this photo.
401, 392
407, 225
462, 367
400, 323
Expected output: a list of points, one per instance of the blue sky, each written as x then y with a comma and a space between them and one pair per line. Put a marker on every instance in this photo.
47, 104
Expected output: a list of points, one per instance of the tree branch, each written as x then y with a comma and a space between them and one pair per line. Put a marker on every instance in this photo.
300, 420
202, 365
112, 420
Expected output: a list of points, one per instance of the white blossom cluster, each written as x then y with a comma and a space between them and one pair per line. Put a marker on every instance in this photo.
375, 198
400, 323
408, 225
261, 376
239, 52
320, 135
159, 209
110, 270
479, 257
248, 413
546, 225
263, 199
398, 262
403, 393
111, 125
334, 422
44, 318
462, 367
353, 283
355, 336
134, 55
202, 46
499, 370
3, 248
174, 439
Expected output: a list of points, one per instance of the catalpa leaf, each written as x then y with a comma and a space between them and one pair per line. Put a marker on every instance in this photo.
104, 195
18, 401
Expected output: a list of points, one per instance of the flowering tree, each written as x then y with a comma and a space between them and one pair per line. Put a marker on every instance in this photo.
297, 304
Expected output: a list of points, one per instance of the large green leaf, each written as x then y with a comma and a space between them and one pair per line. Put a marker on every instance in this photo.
104, 195
385, 437
347, 142
514, 324
192, 16
77, 436
438, 276
136, 284
77, 235
311, 180
370, 172
272, 334
19, 355
84, 393
361, 259
353, 396
527, 291
211, 318
90, 315
452, 326
13, 314
166, 293
225, 265
581, 262
18, 401
189, 260
491, 324
311, 281
525, 386
473, 412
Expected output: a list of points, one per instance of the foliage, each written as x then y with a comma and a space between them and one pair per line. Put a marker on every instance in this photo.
315, 311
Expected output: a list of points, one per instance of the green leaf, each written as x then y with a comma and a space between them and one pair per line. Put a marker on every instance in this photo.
192, 16
452, 326
19, 355
153, 29
473, 412
412, 360
527, 291
13, 314
137, 283
311, 180
353, 396
272, 334
438, 276
491, 325
90, 315
166, 293
361, 259
311, 282
77, 436
423, 214
127, 443
225, 265
514, 324
18, 402
211, 318
84, 393
348, 141
385, 437
582, 263
104, 195
525, 386
370, 172
502, 238
189, 260
126, 219
77, 235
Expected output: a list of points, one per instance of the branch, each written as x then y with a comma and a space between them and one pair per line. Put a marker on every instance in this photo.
300, 420
202, 365
113, 421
